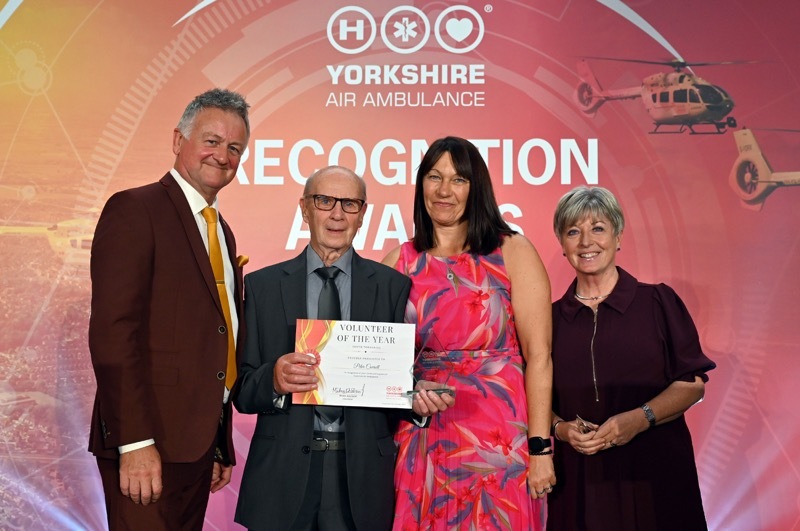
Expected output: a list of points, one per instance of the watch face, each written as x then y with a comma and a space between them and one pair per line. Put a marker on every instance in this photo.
537, 444
648, 413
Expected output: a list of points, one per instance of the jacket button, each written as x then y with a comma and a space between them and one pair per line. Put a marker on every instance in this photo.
220, 375
221, 330
306, 449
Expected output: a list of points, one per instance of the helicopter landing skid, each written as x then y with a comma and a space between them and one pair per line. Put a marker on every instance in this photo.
718, 128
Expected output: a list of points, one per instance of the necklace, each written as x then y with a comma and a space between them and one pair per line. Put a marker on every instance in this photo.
597, 298
450, 275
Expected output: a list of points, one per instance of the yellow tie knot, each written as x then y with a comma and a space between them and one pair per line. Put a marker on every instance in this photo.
209, 214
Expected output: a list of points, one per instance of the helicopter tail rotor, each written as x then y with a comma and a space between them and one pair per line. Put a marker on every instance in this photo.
751, 175
589, 94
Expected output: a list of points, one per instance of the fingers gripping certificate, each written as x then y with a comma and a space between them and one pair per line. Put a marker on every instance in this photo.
361, 364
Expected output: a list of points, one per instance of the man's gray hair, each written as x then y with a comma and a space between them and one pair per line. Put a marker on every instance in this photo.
336, 169
216, 98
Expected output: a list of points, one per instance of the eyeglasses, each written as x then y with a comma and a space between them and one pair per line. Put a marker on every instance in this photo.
326, 202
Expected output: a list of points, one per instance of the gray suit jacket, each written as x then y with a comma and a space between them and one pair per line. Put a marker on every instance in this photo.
276, 472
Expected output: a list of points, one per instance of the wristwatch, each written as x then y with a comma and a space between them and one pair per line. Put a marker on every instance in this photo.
649, 415
539, 446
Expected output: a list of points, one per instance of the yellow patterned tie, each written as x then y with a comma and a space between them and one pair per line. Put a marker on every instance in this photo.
215, 254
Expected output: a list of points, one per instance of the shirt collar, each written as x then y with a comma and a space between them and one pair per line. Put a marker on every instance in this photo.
314, 262
196, 201
619, 300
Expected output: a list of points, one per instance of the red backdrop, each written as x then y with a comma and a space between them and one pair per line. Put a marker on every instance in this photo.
91, 91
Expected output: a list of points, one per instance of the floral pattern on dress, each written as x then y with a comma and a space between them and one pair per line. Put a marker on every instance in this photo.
468, 469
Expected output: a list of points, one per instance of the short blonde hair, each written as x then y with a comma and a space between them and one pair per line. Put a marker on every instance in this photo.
583, 201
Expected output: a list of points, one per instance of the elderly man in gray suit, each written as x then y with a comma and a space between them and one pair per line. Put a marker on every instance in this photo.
316, 467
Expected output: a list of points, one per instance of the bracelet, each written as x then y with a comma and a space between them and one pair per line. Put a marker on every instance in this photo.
539, 446
649, 415
555, 429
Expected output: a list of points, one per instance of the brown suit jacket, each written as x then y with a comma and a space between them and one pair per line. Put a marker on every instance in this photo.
157, 332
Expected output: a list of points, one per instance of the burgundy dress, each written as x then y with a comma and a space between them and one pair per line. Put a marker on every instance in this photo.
644, 339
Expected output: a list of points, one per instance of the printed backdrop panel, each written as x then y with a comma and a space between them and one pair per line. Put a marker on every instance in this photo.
675, 107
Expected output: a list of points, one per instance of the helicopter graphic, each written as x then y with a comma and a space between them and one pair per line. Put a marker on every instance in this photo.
752, 177
677, 101
19, 192
72, 235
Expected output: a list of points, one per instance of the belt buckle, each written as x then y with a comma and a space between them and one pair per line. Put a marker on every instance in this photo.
327, 444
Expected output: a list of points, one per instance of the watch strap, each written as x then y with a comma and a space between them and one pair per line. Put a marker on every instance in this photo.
649, 415
539, 446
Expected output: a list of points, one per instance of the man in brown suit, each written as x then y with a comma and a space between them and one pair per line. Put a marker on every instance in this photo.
163, 327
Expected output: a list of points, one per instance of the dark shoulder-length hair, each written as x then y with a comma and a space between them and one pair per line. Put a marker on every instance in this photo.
485, 226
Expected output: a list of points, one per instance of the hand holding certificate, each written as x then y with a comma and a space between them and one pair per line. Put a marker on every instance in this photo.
361, 364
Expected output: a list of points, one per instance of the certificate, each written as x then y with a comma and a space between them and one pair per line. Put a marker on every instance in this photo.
361, 364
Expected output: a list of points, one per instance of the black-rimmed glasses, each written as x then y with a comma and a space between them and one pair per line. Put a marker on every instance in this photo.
327, 202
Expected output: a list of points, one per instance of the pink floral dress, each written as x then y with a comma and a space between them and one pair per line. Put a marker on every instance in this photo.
468, 469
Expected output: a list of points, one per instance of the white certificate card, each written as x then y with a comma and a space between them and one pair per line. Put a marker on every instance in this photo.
361, 364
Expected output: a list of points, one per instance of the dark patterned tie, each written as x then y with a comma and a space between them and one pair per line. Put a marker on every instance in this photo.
328, 307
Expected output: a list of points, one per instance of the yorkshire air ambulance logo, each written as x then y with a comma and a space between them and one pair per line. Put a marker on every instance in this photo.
406, 29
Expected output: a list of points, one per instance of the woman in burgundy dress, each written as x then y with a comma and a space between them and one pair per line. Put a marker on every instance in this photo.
627, 363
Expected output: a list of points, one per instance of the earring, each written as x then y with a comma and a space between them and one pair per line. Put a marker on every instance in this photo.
563, 254
619, 248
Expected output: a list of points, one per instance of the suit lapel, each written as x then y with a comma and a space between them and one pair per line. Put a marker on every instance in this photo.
192, 235
293, 289
230, 243
363, 290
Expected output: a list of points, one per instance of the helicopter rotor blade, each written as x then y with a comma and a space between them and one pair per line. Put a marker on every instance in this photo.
677, 64
775, 129
723, 63
642, 61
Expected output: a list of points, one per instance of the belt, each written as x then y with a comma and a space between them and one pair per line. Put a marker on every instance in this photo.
321, 444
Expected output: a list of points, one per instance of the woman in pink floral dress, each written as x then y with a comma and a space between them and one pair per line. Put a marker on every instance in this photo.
484, 461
